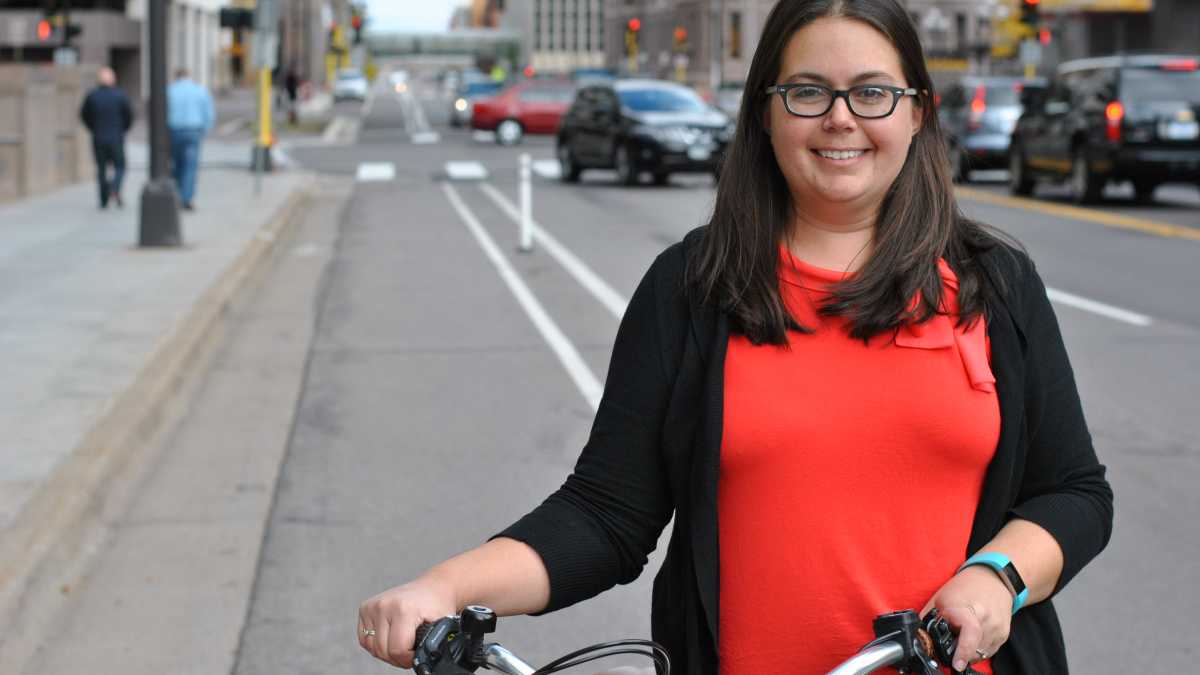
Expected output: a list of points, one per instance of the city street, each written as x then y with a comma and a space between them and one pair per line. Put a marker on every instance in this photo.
444, 383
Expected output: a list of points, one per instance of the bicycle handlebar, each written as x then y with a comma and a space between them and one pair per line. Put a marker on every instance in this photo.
454, 646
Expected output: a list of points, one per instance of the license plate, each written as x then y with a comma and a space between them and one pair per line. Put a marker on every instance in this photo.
1179, 131
699, 153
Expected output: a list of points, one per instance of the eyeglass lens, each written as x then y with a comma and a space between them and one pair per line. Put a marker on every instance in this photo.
865, 101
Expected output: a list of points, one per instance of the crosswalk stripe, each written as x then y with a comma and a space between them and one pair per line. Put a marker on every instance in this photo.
466, 171
375, 171
547, 168
425, 137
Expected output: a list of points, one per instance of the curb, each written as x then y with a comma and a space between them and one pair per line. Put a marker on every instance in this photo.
52, 540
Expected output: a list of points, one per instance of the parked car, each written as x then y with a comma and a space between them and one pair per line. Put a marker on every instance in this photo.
728, 97
350, 83
1116, 118
470, 91
533, 107
978, 115
641, 125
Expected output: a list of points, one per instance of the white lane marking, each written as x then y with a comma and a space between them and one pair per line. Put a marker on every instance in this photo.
548, 168
574, 364
1100, 308
375, 171
426, 138
613, 301
232, 126
480, 136
333, 129
466, 171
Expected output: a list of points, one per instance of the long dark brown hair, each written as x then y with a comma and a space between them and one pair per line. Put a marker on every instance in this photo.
735, 266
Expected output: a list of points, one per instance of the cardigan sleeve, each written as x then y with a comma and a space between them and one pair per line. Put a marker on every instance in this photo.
1063, 488
598, 528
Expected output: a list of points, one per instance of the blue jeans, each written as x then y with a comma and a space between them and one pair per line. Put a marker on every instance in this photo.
185, 161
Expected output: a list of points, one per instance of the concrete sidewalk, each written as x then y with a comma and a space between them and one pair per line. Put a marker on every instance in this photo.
96, 334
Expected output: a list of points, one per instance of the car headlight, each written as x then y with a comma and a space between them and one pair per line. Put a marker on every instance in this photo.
461, 105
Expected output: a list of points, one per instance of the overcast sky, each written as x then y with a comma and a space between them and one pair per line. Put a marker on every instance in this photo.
411, 15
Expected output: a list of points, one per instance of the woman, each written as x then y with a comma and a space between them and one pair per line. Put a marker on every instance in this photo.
841, 389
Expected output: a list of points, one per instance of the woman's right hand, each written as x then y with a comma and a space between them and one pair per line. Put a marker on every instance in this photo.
395, 614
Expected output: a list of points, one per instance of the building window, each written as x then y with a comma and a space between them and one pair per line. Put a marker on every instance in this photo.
735, 35
550, 24
587, 28
537, 24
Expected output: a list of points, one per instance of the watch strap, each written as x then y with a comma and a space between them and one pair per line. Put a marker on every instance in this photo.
1007, 572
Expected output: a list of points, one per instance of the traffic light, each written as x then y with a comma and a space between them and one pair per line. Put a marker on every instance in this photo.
631, 42
1031, 12
44, 30
356, 22
680, 36
635, 24
70, 32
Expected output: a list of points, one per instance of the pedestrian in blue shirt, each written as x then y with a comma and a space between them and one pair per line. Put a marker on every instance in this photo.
189, 117
107, 115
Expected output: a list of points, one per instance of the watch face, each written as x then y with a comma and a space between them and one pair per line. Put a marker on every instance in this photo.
1018, 584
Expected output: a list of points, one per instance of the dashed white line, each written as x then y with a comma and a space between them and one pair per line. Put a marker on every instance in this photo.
613, 301
1123, 315
375, 172
465, 171
576, 367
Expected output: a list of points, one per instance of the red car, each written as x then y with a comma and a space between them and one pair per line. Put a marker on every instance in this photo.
531, 107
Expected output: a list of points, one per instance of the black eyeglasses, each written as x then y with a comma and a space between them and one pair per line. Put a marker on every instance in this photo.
869, 101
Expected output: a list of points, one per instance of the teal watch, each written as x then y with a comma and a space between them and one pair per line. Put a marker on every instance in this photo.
1007, 572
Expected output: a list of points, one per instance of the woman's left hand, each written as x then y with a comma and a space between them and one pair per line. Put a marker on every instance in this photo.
979, 606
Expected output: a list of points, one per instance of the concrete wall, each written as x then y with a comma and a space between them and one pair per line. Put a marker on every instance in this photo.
42, 143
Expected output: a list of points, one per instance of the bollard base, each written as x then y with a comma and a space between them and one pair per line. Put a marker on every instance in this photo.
260, 158
159, 224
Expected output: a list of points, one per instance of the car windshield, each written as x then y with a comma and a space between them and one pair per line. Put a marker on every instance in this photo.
548, 94
1004, 94
481, 89
349, 75
660, 99
1147, 84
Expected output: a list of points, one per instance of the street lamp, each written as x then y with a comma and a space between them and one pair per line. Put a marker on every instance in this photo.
160, 203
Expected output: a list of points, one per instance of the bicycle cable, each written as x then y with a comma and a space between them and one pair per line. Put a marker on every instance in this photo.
657, 653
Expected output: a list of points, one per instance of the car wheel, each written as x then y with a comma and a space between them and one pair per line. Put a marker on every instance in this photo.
1086, 185
1144, 191
568, 169
1019, 180
626, 173
661, 178
509, 132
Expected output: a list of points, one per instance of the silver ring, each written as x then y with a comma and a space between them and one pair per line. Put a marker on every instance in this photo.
982, 654
369, 632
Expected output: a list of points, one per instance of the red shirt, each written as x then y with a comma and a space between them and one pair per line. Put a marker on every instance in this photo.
849, 479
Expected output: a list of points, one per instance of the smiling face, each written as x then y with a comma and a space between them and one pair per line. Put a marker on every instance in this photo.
839, 164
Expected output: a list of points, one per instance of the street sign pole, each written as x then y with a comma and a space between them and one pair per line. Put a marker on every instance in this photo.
266, 44
159, 224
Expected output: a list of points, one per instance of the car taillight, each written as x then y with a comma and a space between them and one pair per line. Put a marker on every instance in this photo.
978, 107
1114, 113
1186, 65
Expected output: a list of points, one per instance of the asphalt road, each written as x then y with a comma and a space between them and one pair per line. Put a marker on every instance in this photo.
434, 411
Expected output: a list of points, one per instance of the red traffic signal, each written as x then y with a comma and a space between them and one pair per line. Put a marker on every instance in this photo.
680, 34
356, 21
44, 30
635, 24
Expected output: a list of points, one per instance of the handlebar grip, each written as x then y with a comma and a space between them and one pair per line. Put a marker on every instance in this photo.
422, 631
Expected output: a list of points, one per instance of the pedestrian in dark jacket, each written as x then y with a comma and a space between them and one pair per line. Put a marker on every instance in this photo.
107, 115
850, 398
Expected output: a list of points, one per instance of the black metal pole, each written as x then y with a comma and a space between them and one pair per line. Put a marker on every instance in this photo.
160, 201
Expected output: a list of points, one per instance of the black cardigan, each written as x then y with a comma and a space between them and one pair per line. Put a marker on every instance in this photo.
654, 452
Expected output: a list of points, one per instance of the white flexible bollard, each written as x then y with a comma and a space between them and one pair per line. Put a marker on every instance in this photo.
526, 203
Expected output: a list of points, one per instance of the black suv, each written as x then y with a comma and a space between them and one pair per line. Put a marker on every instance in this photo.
978, 115
636, 126
1116, 118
